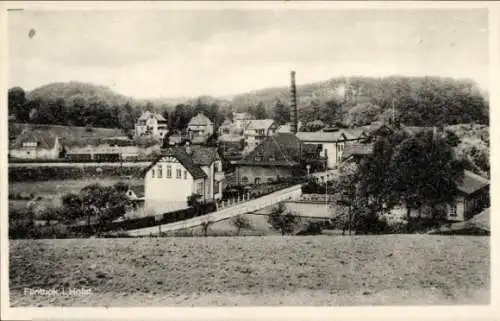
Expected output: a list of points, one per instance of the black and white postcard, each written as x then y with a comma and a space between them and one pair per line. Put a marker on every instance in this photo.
258, 154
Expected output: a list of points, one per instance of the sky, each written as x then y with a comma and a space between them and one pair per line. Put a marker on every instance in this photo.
179, 53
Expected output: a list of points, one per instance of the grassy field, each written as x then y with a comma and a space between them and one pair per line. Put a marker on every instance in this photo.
272, 270
51, 191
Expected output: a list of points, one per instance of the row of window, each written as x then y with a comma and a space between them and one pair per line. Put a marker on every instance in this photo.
257, 180
158, 172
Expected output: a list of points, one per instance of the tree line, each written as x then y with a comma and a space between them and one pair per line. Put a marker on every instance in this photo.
417, 101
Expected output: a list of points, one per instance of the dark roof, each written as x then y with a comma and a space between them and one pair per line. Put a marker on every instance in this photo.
471, 183
357, 149
200, 119
203, 155
319, 137
45, 139
138, 190
282, 149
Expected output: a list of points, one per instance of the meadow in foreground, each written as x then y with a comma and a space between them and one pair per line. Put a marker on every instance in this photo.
271, 270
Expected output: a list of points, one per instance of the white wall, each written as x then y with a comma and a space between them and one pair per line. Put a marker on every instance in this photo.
330, 148
159, 191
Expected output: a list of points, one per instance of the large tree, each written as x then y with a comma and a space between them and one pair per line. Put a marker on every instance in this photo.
17, 104
281, 113
423, 171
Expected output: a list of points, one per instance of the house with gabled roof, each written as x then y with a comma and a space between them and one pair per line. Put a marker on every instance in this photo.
258, 129
332, 143
279, 156
151, 124
241, 120
35, 144
135, 192
200, 128
180, 172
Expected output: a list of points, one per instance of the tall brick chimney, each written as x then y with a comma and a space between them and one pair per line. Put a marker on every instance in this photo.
293, 114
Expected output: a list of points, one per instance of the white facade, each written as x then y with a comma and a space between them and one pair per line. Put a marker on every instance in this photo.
332, 144
151, 124
32, 150
168, 184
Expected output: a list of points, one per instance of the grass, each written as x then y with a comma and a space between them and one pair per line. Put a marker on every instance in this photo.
53, 190
273, 270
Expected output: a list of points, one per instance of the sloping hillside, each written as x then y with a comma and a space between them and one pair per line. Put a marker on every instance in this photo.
321, 91
69, 91
474, 146
418, 101
68, 134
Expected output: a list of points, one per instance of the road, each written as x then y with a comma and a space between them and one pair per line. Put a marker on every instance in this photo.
253, 205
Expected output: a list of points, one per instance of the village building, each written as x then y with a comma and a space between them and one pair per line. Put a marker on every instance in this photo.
258, 129
287, 128
200, 129
35, 144
356, 151
135, 193
181, 172
102, 152
279, 156
472, 196
151, 124
241, 120
332, 144
226, 127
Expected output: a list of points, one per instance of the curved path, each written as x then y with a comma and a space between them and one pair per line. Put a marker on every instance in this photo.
241, 208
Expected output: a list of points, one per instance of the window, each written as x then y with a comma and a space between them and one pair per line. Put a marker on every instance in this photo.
199, 188
257, 180
178, 173
269, 179
271, 158
453, 210
29, 144
169, 171
244, 180
185, 175
160, 171
208, 189
216, 187
153, 173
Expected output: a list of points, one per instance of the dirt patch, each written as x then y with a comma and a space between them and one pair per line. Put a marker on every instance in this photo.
272, 270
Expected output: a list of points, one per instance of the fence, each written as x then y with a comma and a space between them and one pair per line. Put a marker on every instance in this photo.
241, 208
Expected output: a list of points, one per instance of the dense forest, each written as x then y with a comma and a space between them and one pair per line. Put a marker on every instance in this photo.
357, 101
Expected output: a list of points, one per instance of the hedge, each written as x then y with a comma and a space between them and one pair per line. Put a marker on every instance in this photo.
23, 174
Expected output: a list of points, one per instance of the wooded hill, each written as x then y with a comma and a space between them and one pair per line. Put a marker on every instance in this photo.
354, 101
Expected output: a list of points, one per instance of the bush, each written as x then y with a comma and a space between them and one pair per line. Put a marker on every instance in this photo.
282, 220
312, 228
46, 173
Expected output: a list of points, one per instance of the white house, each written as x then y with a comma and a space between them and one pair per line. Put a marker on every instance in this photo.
179, 173
35, 144
200, 128
332, 143
258, 129
151, 124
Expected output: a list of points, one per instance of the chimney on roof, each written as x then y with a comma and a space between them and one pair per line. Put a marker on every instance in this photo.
293, 114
